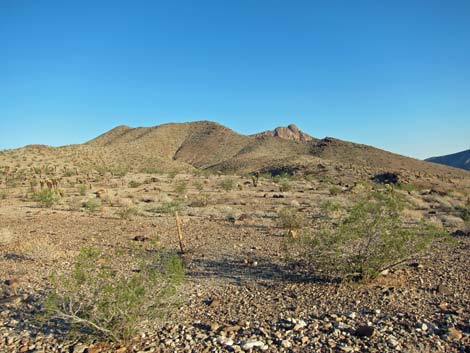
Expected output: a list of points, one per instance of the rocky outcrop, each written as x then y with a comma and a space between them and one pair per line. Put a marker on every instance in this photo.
291, 132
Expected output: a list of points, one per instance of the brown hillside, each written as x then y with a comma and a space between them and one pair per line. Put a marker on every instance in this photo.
205, 144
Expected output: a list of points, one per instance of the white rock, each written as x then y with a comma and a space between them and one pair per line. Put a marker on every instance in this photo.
252, 344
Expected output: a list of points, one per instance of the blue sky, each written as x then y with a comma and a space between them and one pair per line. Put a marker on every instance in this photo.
392, 74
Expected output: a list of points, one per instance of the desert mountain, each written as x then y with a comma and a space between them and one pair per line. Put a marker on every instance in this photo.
208, 145
458, 160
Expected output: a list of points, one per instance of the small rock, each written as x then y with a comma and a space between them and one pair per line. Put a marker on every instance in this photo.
141, 238
423, 326
252, 344
454, 333
364, 331
13, 283
79, 348
443, 289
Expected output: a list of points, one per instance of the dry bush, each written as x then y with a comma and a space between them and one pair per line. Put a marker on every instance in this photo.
452, 221
40, 249
227, 184
6, 236
290, 218
414, 216
75, 203
128, 212
201, 200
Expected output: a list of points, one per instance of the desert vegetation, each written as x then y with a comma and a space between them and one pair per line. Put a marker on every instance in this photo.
281, 256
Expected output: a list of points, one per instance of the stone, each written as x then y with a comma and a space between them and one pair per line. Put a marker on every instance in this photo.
13, 283
79, 348
286, 344
252, 344
225, 341
443, 289
454, 333
364, 331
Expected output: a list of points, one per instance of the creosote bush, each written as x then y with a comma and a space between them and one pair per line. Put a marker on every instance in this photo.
181, 187
371, 238
167, 207
82, 190
46, 197
285, 185
93, 205
99, 298
291, 218
227, 184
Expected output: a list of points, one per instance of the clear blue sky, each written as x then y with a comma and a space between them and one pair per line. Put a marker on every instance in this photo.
393, 74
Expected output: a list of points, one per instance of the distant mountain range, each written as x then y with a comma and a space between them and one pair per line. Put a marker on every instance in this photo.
206, 145
457, 160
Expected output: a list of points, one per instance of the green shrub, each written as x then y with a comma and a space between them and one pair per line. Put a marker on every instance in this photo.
463, 212
167, 207
93, 205
330, 206
227, 184
285, 185
46, 197
334, 190
181, 187
282, 176
371, 238
102, 299
199, 186
3, 195
82, 190
291, 218
134, 184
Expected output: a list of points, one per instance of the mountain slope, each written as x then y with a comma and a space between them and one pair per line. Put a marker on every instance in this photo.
208, 145
458, 160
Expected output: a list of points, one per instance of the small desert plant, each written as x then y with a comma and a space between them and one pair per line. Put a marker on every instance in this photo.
3, 195
134, 184
128, 212
93, 205
201, 200
82, 190
227, 184
330, 206
198, 185
291, 218
285, 185
99, 298
172, 174
181, 187
334, 190
464, 212
74, 203
371, 238
46, 197
167, 207
6, 236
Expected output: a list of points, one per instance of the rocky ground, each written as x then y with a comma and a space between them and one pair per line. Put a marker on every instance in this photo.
240, 294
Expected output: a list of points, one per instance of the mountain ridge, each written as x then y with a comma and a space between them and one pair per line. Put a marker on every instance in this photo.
207, 145
457, 160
